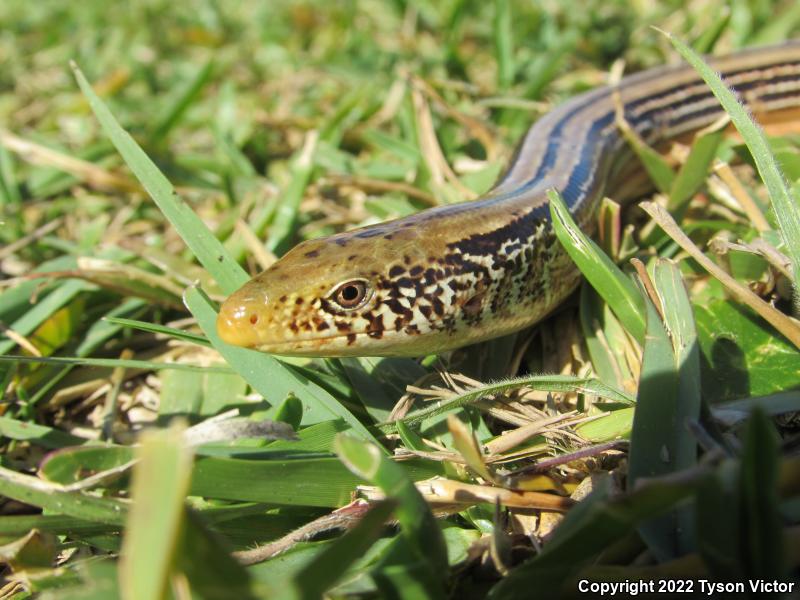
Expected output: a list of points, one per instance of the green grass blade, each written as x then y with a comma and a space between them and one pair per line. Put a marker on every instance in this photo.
659, 170
393, 144
787, 207
267, 375
180, 104
605, 337
18, 525
763, 543
330, 565
669, 396
9, 188
16, 300
694, 171
47, 437
34, 491
152, 532
548, 65
708, 38
286, 214
178, 334
416, 520
203, 556
98, 333
781, 27
503, 42
615, 425
76, 464
719, 540
40, 312
611, 283
297, 479
112, 363
380, 381
321, 482
203, 244
411, 439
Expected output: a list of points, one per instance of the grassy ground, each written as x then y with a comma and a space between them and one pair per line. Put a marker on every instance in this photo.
281, 121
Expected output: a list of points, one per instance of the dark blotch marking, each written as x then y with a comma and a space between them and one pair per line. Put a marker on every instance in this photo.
282, 299
416, 271
298, 301
396, 271
403, 320
351, 339
457, 285
472, 307
395, 306
342, 326
438, 306
432, 275
312, 253
375, 323
489, 243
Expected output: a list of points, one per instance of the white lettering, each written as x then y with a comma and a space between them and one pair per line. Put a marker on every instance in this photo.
771, 587
709, 588
614, 588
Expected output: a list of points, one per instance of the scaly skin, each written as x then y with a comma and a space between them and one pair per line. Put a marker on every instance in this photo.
422, 293
458, 274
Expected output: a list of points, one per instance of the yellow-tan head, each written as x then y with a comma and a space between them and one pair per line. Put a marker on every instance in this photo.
405, 288
335, 296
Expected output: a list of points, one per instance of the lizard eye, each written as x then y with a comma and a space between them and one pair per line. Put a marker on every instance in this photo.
351, 294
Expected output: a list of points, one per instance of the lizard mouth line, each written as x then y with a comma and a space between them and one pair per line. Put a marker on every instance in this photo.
301, 341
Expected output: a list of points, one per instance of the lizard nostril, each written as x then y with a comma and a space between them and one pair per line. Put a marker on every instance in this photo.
243, 317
